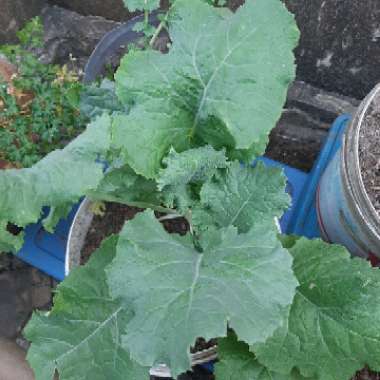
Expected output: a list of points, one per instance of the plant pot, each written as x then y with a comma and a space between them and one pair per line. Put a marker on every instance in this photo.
77, 236
113, 46
345, 212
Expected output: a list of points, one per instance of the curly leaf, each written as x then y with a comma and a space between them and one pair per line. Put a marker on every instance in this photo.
62, 177
179, 294
235, 360
122, 185
80, 338
55, 215
240, 196
97, 99
333, 326
193, 165
219, 83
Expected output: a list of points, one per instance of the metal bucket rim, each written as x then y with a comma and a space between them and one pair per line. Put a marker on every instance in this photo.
352, 178
83, 209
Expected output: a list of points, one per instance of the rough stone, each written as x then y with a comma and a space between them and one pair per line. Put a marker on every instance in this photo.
304, 124
69, 34
340, 44
110, 9
339, 48
13, 365
13, 15
22, 290
320, 105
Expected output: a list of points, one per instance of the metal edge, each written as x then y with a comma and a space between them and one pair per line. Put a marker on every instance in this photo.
201, 357
74, 226
351, 175
124, 32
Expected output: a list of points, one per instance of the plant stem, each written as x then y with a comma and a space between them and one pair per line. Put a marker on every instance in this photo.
161, 26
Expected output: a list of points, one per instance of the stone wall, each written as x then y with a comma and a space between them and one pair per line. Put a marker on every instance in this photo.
339, 48
13, 15
340, 44
111, 9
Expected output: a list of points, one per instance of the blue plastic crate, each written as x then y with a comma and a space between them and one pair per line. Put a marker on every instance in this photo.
46, 251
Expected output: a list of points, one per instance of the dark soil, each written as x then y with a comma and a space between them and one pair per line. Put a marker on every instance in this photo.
112, 222
369, 153
365, 374
198, 373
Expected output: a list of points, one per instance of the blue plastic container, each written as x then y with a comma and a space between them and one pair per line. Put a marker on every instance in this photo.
301, 218
345, 212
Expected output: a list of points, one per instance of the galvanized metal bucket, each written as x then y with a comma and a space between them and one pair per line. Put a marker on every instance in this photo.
345, 212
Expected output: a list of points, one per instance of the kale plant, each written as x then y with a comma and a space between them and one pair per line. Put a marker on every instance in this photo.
280, 308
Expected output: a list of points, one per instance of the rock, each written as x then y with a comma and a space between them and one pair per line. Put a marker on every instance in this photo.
22, 290
323, 106
68, 34
304, 124
9, 318
13, 365
340, 44
110, 9
296, 140
14, 14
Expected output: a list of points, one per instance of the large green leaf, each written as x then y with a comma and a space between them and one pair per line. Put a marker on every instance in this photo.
136, 5
241, 196
237, 362
145, 135
62, 177
180, 294
80, 338
333, 327
219, 83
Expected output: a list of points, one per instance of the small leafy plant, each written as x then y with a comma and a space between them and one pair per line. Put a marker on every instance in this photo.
39, 104
281, 308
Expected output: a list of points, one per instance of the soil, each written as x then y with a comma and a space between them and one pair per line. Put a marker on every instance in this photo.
112, 222
369, 153
365, 374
